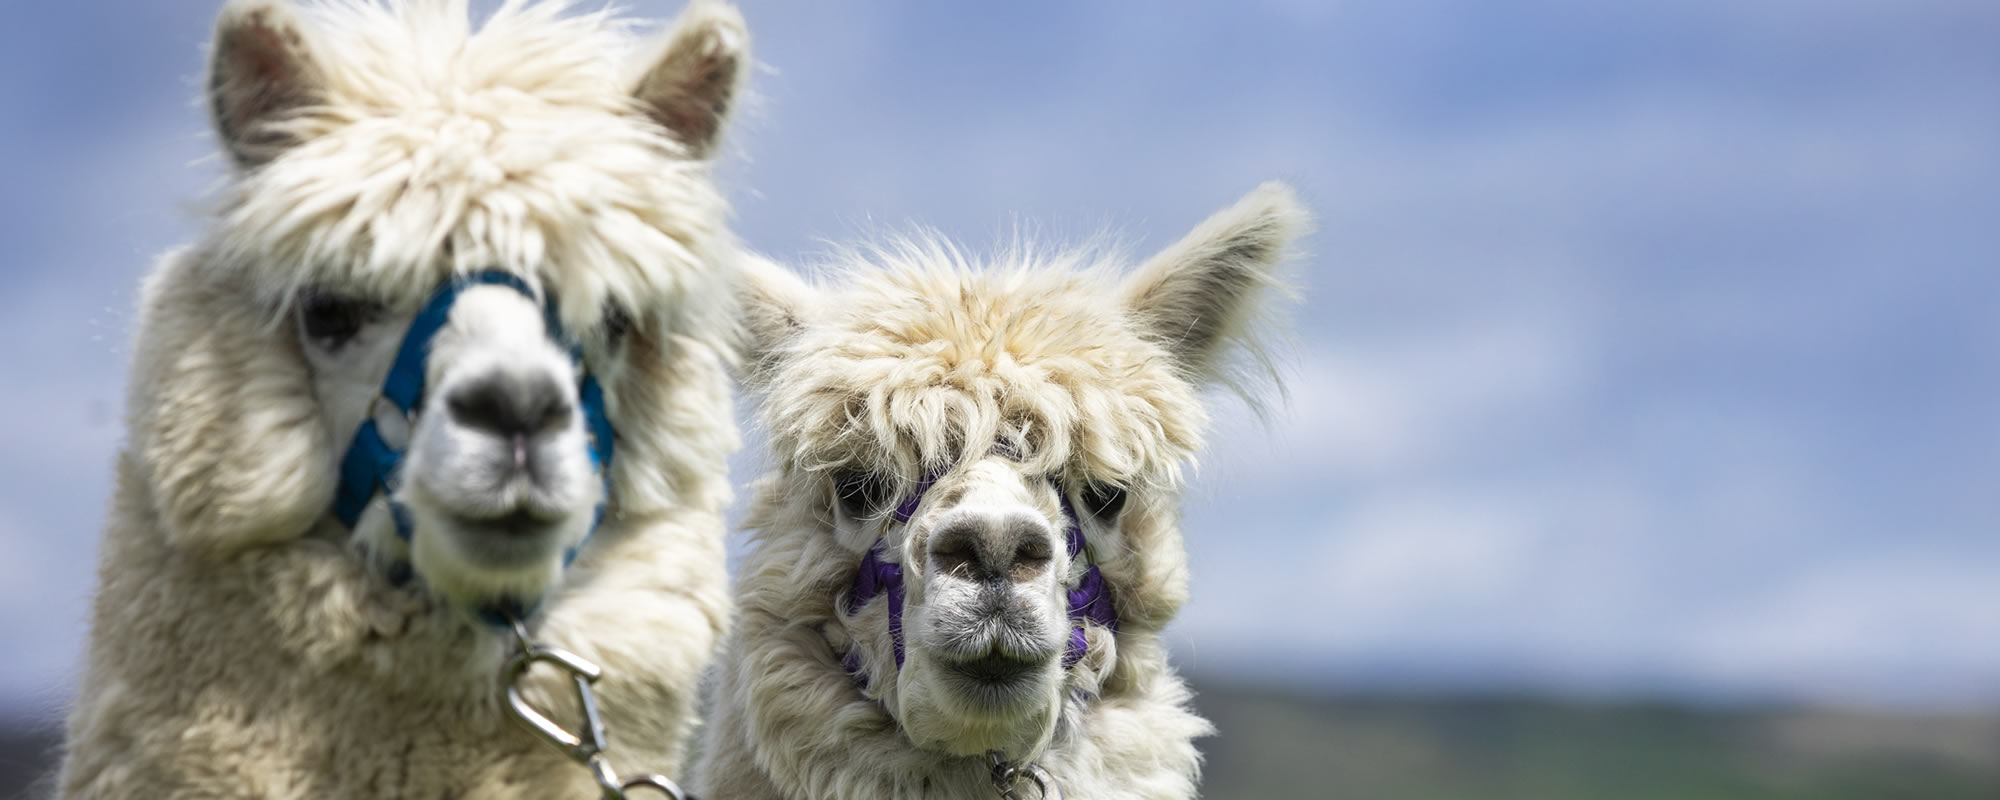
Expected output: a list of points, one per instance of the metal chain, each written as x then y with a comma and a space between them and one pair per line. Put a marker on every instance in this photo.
1007, 779
586, 748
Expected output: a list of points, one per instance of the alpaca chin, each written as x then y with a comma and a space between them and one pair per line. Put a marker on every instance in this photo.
935, 717
441, 554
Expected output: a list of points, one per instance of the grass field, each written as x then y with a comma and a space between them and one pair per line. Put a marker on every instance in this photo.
1274, 745
1281, 745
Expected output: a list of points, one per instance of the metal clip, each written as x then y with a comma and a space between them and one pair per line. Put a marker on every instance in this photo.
586, 748
1007, 778
583, 672
657, 783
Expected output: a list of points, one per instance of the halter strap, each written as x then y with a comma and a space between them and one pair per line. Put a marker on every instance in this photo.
1090, 600
371, 466
1091, 597
876, 577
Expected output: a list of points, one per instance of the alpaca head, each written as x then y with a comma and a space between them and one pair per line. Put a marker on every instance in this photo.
1005, 443
384, 151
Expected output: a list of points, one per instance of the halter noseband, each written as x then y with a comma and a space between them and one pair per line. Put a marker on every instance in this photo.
370, 465
1089, 600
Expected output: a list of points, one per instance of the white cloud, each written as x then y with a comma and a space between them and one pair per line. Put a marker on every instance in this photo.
1841, 629
1405, 407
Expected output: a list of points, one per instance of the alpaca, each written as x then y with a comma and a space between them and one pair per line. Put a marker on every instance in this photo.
969, 547
497, 251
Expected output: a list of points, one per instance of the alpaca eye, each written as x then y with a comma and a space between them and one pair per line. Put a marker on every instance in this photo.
330, 320
616, 323
1103, 501
860, 493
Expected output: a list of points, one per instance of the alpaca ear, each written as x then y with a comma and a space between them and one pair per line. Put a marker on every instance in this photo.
690, 85
776, 307
261, 73
1197, 297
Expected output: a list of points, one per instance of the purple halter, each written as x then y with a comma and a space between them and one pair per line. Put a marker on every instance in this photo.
1089, 600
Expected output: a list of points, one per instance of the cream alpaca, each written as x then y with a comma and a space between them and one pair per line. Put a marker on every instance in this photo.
964, 419
245, 642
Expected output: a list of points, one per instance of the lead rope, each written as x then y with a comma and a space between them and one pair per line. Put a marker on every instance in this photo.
586, 748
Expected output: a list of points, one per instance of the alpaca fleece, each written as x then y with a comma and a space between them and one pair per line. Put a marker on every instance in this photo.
241, 644
918, 361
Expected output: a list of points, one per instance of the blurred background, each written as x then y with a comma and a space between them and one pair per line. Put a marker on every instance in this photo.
1642, 435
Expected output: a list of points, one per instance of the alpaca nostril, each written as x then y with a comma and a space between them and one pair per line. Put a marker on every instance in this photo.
955, 549
512, 407
1030, 558
957, 563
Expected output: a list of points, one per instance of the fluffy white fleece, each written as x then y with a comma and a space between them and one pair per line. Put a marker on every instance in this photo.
240, 647
1081, 374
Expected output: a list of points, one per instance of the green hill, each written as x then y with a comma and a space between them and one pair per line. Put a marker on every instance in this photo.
1275, 745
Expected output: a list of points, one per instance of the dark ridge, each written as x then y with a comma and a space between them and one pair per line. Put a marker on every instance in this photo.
27, 757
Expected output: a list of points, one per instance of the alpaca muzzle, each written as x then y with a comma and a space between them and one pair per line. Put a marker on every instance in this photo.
1089, 600
512, 409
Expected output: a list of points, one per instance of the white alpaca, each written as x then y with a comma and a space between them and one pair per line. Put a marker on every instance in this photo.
970, 545
269, 626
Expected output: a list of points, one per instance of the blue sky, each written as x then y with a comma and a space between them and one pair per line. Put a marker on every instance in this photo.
1642, 350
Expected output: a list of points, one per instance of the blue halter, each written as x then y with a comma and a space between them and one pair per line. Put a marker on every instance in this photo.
370, 464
